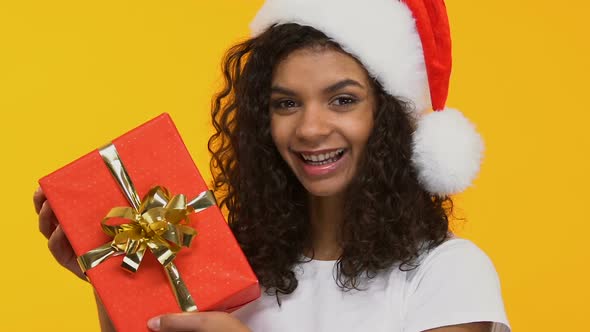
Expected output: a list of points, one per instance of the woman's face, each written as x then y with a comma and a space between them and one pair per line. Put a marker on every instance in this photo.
321, 107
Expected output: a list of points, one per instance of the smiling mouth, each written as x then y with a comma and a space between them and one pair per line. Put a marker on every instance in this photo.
318, 159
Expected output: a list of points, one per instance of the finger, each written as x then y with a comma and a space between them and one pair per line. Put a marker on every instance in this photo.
38, 199
60, 248
62, 251
186, 322
47, 220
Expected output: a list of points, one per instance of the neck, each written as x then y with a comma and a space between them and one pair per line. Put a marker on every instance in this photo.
326, 217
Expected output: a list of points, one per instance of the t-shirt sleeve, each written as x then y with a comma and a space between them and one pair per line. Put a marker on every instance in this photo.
456, 283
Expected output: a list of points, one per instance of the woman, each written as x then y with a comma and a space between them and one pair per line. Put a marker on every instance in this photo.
336, 182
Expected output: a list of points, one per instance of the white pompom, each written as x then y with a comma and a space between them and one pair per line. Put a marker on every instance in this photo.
447, 152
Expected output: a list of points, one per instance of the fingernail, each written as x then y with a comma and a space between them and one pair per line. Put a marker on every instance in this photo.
154, 324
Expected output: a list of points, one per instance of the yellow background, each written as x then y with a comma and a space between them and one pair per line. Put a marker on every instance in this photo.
74, 74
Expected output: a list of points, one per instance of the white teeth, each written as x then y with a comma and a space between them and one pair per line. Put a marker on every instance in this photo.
322, 157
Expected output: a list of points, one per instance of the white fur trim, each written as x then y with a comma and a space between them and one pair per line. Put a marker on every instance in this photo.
447, 152
380, 33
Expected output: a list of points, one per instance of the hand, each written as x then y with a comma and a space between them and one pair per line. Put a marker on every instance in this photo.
213, 321
58, 243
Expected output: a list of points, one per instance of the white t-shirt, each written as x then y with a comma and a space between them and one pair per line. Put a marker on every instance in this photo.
455, 283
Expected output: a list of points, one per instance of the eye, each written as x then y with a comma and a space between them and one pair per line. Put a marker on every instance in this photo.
344, 101
284, 104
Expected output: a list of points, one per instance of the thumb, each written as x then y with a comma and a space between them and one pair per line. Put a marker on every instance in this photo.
188, 322
212, 321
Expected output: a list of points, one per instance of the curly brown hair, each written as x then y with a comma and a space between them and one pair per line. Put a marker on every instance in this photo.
389, 217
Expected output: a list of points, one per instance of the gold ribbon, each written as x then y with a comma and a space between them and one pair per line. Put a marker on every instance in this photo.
158, 222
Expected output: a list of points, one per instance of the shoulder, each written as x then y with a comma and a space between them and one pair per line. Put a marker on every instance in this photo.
455, 283
453, 256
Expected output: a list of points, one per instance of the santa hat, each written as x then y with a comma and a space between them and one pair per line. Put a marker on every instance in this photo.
406, 46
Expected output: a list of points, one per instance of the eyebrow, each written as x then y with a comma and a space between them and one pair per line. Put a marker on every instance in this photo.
332, 88
342, 84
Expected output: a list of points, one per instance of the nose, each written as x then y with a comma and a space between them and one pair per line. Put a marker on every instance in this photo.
313, 124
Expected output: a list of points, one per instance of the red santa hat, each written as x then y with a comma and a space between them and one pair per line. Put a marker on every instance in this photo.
406, 46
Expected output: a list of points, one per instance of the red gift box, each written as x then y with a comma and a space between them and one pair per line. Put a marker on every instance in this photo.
213, 268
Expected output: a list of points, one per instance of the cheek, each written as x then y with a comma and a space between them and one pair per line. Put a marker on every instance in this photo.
361, 128
273, 128
278, 132
369, 120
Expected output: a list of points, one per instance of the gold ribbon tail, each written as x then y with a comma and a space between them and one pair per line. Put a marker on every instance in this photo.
183, 296
203, 201
111, 158
96, 256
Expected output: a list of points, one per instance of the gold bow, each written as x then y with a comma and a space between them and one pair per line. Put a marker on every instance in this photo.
158, 222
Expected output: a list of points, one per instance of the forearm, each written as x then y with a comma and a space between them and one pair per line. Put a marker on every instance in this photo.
105, 322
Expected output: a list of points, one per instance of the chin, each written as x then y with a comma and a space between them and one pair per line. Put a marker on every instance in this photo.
324, 190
